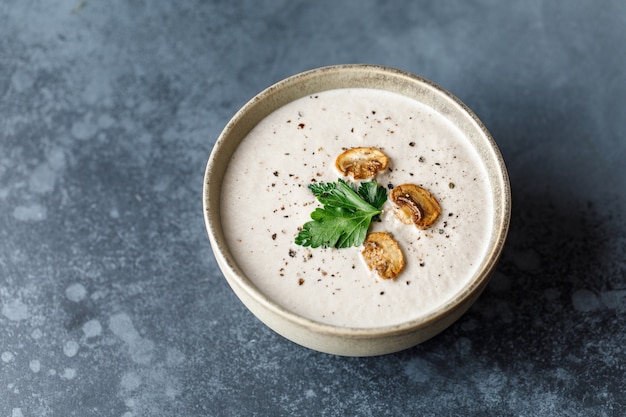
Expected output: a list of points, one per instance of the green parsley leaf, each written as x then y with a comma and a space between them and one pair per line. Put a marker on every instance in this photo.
373, 193
346, 216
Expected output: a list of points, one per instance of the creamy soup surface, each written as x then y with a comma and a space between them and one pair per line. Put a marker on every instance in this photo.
265, 199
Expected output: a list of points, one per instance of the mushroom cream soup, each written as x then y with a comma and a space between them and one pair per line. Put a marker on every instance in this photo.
265, 200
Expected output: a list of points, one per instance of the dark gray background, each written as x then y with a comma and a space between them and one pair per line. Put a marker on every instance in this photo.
112, 304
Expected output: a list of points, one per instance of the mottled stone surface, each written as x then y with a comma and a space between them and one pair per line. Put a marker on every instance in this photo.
111, 301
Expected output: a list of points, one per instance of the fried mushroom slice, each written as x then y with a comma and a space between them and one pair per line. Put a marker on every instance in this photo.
413, 204
382, 255
361, 163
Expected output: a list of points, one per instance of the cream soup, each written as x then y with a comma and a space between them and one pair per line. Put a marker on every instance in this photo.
265, 200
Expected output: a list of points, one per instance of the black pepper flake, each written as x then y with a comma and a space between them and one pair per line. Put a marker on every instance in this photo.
411, 143
408, 282
451, 185
292, 253
382, 293
422, 264
437, 163
422, 159
390, 186
275, 173
300, 125
274, 236
300, 281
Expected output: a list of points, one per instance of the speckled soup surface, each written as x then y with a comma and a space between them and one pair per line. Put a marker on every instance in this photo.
265, 200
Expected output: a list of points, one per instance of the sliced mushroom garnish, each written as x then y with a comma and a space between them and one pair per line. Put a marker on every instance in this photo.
414, 204
382, 255
361, 163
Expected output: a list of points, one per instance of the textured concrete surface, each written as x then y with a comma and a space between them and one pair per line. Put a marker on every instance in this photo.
111, 301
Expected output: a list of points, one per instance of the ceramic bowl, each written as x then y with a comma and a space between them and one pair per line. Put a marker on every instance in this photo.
335, 339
